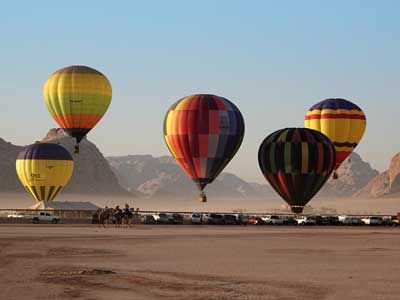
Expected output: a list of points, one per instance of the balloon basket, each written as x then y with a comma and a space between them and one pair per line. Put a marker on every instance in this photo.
202, 198
296, 209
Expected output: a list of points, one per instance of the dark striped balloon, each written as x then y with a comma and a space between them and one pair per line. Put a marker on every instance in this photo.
296, 162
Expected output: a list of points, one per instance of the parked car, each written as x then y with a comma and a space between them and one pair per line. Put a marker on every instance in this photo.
162, 218
319, 220
353, 221
15, 215
214, 219
373, 221
196, 218
255, 221
272, 220
148, 219
306, 220
176, 219
331, 220
45, 217
242, 219
289, 220
387, 221
231, 220
327, 220
395, 220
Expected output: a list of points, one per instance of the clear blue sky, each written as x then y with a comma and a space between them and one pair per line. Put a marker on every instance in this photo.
274, 59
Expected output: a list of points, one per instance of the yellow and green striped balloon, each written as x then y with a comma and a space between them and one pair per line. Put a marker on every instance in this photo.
44, 169
77, 97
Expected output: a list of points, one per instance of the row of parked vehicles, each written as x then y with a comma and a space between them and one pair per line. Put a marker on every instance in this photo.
196, 218
298, 220
332, 220
242, 219
239, 219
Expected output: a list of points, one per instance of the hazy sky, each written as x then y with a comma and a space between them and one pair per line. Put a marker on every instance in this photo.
273, 59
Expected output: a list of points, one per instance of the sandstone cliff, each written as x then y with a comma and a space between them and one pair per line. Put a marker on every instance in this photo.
92, 174
386, 183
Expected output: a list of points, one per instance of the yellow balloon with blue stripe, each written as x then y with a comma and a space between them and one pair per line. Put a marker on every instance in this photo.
342, 121
44, 169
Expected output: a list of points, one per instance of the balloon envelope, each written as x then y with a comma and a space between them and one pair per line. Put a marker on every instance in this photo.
44, 169
342, 121
296, 162
203, 132
77, 97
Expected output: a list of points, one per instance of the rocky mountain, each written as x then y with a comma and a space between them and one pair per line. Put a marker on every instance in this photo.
353, 175
394, 174
386, 183
161, 176
92, 174
156, 176
377, 187
8, 178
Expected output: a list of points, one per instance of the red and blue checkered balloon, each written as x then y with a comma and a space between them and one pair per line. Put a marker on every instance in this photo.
203, 132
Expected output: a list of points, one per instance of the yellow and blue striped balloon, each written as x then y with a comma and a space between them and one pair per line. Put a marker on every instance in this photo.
342, 121
44, 169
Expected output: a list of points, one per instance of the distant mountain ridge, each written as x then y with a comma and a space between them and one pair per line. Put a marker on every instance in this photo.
148, 176
161, 176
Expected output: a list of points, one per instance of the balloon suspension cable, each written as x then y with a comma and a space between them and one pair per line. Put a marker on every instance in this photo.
335, 175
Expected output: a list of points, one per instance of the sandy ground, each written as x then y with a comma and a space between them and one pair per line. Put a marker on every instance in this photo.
199, 262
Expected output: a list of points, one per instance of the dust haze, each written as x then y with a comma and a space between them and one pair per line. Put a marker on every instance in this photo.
350, 205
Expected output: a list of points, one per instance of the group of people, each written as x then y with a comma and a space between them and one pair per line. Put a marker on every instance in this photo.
116, 216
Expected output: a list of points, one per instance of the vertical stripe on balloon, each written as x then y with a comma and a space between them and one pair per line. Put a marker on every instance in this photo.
203, 132
296, 162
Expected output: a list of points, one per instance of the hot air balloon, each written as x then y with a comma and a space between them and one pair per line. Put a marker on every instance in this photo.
341, 121
44, 169
77, 97
296, 162
203, 132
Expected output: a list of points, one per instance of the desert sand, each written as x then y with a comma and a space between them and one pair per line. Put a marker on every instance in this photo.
199, 262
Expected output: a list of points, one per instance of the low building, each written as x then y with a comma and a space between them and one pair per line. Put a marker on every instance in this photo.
66, 209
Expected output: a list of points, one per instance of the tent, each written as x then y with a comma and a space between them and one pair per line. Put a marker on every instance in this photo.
64, 205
